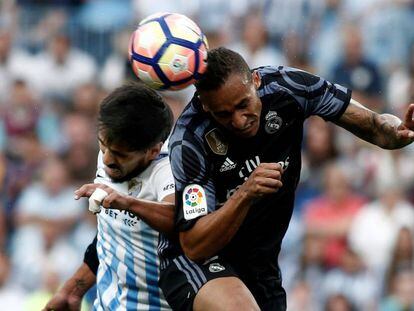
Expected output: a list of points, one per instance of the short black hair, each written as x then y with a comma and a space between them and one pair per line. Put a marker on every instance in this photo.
135, 116
221, 63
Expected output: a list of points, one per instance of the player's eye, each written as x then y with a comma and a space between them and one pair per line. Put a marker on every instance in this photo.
243, 104
222, 114
102, 148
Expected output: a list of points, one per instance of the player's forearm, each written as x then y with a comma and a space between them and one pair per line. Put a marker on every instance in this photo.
80, 282
158, 215
215, 230
378, 129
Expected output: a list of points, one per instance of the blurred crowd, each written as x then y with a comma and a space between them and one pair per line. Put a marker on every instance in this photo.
350, 245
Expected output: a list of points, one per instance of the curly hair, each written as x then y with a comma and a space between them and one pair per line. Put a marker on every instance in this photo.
136, 116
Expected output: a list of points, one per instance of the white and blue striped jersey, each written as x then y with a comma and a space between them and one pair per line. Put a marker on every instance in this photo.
128, 271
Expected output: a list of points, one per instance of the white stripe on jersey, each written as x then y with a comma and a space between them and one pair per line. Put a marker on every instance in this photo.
127, 277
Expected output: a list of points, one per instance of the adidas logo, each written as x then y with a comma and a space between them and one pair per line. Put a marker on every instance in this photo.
227, 165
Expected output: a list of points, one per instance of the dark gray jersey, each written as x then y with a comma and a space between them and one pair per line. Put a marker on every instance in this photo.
209, 163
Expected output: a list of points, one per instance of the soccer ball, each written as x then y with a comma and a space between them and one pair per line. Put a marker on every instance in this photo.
168, 51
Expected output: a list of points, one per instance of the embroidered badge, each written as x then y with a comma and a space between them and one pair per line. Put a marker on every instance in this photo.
194, 202
134, 187
273, 122
216, 142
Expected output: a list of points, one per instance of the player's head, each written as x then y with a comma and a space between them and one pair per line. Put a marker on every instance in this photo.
227, 90
133, 123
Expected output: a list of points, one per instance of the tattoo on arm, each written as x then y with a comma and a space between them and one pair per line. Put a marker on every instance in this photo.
80, 284
378, 129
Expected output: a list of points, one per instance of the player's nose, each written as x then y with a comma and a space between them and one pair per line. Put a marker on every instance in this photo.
108, 159
239, 121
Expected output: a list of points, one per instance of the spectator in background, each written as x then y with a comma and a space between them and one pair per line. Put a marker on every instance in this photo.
9, 15
79, 135
46, 214
400, 87
13, 63
63, 67
117, 67
300, 298
324, 47
354, 281
338, 302
295, 49
319, 149
21, 112
357, 72
255, 46
3, 229
283, 16
22, 159
402, 292
221, 16
402, 256
387, 28
86, 98
217, 37
330, 215
52, 23
311, 268
375, 227
10, 294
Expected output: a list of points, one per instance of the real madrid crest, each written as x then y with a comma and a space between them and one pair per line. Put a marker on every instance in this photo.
273, 122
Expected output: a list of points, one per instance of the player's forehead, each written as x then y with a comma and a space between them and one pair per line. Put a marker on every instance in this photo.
235, 89
118, 147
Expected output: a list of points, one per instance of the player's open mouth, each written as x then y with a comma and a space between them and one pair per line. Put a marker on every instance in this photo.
248, 127
113, 171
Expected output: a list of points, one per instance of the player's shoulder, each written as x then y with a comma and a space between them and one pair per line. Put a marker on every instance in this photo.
191, 126
284, 75
283, 79
161, 163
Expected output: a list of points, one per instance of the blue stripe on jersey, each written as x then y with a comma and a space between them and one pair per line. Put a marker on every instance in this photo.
132, 293
106, 279
151, 270
114, 303
98, 293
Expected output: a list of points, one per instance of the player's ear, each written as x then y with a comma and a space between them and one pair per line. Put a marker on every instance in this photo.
256, 79
154, 151
205, 108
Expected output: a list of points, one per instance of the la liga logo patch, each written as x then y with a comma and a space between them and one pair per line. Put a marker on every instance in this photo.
194, 202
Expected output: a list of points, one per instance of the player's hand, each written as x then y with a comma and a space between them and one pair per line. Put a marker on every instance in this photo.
265, 179
61, 301
114, 199
406, 128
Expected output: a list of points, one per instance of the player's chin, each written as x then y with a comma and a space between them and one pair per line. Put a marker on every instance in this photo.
248, 132
115, 174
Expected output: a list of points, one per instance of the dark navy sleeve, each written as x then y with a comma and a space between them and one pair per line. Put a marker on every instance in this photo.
195, 190
91, 256
315, 95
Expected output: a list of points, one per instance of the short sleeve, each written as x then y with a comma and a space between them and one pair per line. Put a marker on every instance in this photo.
162, 180
195, 191
315, 95
90, 258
